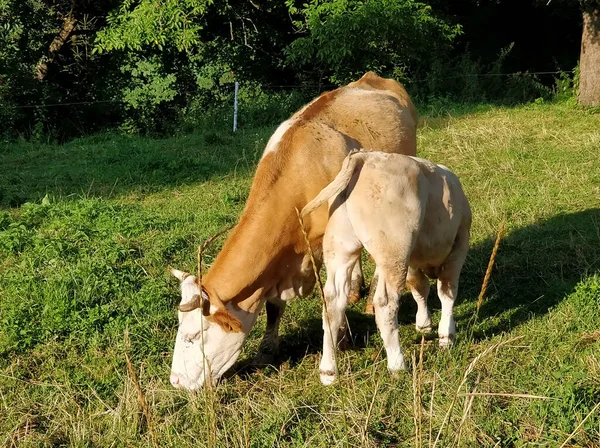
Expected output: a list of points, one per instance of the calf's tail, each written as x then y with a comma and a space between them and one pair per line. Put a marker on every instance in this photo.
341, 181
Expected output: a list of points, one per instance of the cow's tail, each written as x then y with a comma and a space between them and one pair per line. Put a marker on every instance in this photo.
341, 181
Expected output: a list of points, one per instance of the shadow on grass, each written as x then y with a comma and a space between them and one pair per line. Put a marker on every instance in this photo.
109, 165
536, 267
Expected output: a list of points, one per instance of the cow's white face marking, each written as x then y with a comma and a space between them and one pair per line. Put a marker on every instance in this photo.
203, 349
273, 142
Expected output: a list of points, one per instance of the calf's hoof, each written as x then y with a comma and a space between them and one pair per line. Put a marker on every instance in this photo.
396, 372
327, 377
395, 366
446, 341
427, 328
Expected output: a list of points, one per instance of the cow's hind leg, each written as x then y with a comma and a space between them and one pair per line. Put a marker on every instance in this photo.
447, 286
419, 287
269, 346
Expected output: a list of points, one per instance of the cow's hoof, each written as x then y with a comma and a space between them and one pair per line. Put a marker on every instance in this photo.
369, 308
446, 341
327, 378
394, 373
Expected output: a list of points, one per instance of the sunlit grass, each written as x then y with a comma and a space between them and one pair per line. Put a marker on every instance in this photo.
80, 266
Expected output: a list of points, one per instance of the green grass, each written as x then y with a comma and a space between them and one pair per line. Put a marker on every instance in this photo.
87, 230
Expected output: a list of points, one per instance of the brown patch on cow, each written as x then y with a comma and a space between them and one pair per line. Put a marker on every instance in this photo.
412, 283
377, 82
370, 79
369, 307
375, 192
319, 105
226, 321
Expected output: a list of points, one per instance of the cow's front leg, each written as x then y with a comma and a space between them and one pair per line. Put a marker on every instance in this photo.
369, 308
269, 345
356, 282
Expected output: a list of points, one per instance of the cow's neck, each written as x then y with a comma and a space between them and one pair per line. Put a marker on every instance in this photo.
247, 264
266, 248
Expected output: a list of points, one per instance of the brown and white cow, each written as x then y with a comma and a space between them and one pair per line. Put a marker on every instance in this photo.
413, 218
264, 259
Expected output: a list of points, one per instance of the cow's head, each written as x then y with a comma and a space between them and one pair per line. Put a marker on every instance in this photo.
209, 339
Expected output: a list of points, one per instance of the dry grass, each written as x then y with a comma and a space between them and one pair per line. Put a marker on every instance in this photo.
140, 393
488, 272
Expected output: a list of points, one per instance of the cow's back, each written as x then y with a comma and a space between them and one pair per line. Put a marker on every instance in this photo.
376, 112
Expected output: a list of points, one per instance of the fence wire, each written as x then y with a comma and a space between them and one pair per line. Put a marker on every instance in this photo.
300, 86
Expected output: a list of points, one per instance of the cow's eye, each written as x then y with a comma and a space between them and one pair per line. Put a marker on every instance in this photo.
194, 337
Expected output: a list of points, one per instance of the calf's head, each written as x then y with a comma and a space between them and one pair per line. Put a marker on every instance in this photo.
209, 338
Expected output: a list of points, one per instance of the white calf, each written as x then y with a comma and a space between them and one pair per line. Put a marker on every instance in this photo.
414, 220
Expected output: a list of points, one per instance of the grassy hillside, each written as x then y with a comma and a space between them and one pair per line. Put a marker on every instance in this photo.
88, 229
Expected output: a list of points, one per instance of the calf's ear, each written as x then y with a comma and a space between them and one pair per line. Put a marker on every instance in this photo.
226, 321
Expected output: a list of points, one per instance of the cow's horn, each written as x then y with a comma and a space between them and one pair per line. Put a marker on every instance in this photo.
192, 305
180, 275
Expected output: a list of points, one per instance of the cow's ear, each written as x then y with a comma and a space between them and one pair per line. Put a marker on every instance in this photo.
226, 321
205, 303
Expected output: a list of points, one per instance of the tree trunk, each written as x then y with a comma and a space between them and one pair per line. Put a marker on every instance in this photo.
589, 62
42, 66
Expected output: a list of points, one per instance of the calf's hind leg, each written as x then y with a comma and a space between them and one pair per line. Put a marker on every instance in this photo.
390, 285
419, 287
341, 251
447, 287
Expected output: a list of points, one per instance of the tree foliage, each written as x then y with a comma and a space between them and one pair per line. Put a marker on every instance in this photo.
137, 24
343, 38
146, 65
